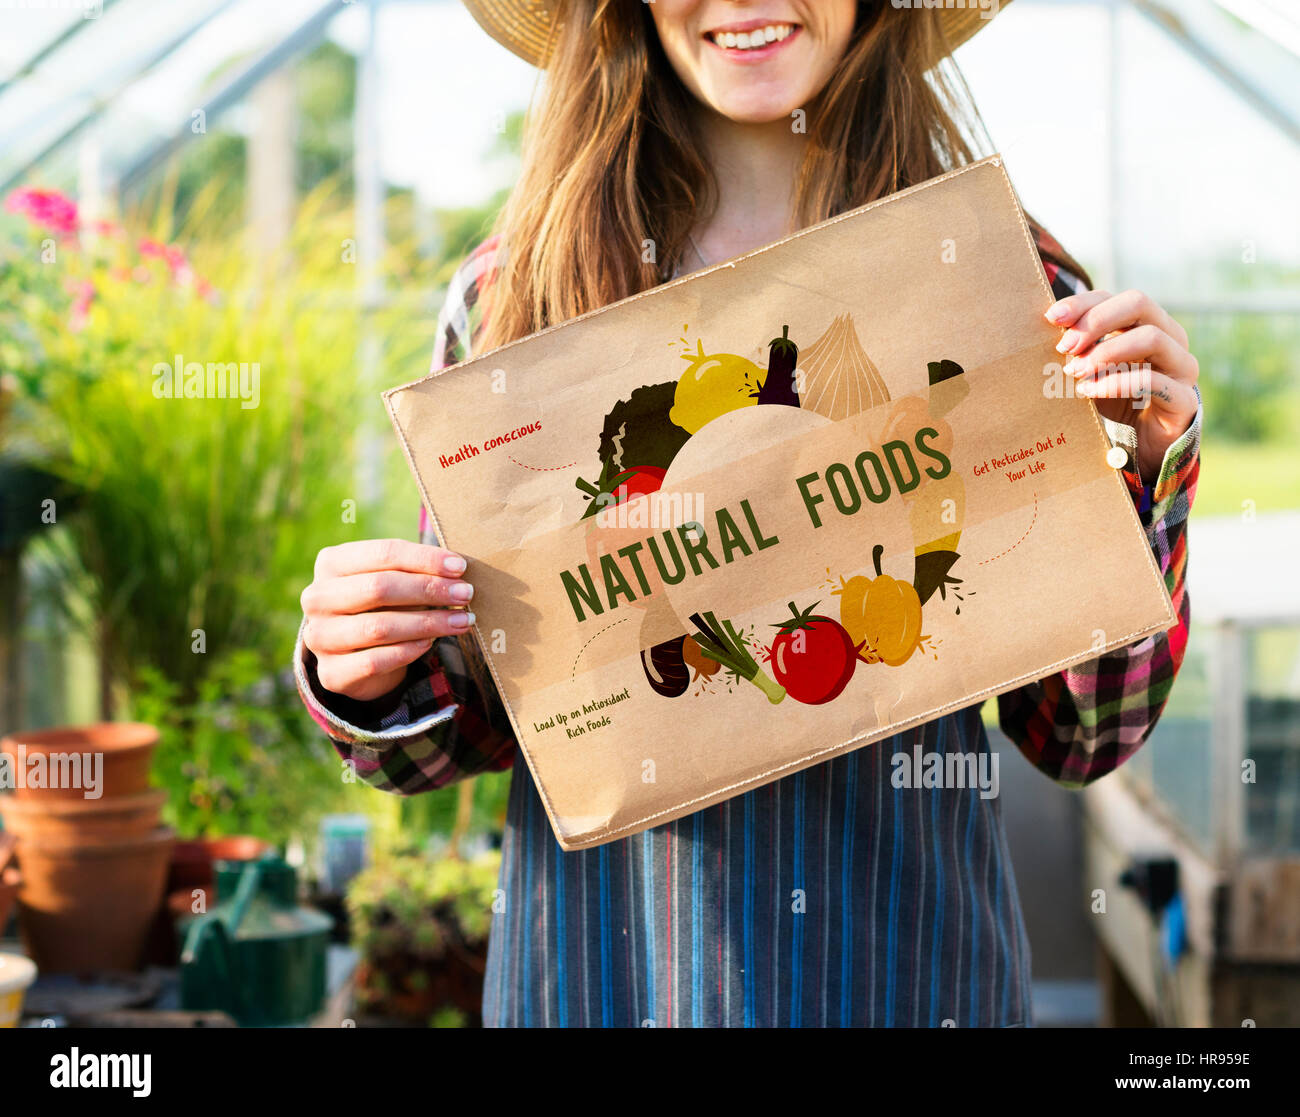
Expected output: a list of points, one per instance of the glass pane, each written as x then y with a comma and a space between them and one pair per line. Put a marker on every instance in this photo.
1273, 740
1175, 764
138, 72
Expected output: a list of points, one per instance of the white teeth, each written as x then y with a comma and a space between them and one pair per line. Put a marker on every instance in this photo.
749, 40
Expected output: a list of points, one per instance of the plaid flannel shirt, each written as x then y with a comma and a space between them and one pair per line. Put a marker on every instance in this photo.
1075, 725
905, 909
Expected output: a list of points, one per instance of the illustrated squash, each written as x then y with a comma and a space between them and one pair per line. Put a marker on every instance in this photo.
881, 613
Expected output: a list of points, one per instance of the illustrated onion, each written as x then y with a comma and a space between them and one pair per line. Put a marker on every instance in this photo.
838, 377
697, 661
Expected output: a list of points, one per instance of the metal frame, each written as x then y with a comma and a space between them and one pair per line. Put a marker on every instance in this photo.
1228, 729
235, 88
102, 102
64, 36
1215, 58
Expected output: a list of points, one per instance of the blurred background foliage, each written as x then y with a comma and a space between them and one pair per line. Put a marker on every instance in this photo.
166, 589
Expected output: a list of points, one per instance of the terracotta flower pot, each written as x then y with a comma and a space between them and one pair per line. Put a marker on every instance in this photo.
83, 820
126, 748
193, 860
88, 907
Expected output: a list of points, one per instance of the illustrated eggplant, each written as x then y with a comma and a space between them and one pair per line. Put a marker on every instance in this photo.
779, 384
665, 668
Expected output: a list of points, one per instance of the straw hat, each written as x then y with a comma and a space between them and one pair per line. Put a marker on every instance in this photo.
524, 26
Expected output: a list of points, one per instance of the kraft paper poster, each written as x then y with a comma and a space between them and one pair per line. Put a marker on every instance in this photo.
781, 508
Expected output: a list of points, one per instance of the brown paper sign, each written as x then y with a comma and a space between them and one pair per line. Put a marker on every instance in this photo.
781, 508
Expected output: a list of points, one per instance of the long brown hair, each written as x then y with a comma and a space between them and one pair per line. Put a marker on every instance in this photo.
614, 174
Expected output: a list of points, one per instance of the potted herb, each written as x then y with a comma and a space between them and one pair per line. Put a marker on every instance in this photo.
421, 926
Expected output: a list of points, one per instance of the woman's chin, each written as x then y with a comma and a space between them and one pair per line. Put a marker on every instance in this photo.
752, 106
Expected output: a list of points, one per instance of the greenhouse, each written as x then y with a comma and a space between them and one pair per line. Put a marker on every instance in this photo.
230, 227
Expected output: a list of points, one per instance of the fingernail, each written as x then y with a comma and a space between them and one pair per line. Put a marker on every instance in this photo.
1055, 312
1074, 366
461, 620
454, 564
1068, 342
461, 591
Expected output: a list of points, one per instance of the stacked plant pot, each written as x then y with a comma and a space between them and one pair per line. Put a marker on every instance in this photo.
93, 870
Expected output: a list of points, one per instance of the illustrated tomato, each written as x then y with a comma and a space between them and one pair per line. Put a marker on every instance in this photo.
812, 656
616, 488
641, 480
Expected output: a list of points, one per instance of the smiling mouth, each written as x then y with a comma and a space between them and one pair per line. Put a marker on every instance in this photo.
762, 37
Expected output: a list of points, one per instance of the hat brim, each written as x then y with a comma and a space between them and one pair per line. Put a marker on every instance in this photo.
524, 27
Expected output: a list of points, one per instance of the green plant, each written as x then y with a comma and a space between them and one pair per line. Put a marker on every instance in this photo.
208, 491
197, 518
242, 757
407, 903
421, 927
448, 1017
1247, 379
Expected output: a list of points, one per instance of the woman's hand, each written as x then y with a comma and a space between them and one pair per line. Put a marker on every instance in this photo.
1129, 356
368, 611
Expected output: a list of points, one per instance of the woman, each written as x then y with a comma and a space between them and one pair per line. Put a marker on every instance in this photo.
669, 136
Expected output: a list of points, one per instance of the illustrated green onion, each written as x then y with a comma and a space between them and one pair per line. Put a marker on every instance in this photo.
723, 643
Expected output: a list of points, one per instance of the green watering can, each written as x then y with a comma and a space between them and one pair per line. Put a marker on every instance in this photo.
257, 956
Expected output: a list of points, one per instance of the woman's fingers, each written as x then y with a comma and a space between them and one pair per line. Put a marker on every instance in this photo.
368, 555
367, 674
1164, 391
1133, 348
342, 635
377, 605
1067, 311
1127, 348
383, 589
1090, 320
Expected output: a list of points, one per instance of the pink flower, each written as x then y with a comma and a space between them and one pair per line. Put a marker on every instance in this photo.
47, 208
85, 296
106, 229
172, 256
